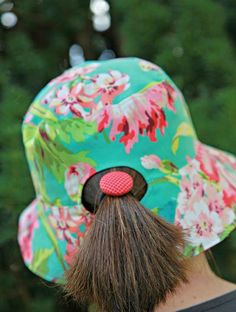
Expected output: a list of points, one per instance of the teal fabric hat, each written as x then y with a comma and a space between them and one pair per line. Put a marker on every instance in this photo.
119, 112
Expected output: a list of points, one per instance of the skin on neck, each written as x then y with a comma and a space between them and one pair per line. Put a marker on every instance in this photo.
203, 284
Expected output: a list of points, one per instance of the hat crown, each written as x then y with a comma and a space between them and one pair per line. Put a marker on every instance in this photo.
102, 114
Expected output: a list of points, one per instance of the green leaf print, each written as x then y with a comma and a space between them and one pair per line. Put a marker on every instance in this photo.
228, 229
51, 235
38, 110
53, 155
28, 131
77, 128
155, 210
184, 129
46, 150
168, 167
51, 130
169, 179
106, 137
149, 85
40, 260
190, 250
29, 134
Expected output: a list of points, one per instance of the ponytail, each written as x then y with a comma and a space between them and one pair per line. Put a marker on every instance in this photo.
130, 259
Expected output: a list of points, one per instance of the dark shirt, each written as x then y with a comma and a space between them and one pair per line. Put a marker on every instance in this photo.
224, 303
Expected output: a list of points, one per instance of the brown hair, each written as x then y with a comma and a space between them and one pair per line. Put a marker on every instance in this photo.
130, 258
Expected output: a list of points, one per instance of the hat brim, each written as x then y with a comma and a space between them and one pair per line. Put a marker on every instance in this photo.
206, 210
49, 237
206, 203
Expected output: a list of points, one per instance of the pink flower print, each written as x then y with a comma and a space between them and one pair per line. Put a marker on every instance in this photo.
192, 167
227, 217
75, 72
207, 163
83, 98
72, 100
65, 222
108, 85
138, 114
230, 196
64, 102
215, 199
203, 226
86, 220
171, 94
221, 168
201, 206
192, 191
71, 251
228, 185
227, 182
48, 98
151, 162
223, 157
28, 224
197, 184
163, 94
75, 176
216, 202
193, 187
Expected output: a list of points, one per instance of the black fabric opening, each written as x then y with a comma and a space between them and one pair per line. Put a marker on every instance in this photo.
92, 194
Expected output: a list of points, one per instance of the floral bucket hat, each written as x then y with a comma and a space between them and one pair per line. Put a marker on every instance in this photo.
119, 112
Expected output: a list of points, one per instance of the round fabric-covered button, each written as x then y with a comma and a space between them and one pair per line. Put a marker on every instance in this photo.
116, 183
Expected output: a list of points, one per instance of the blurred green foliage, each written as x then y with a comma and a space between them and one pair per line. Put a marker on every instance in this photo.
194, 41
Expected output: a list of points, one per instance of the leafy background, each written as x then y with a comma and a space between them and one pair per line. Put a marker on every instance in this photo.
194, 41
